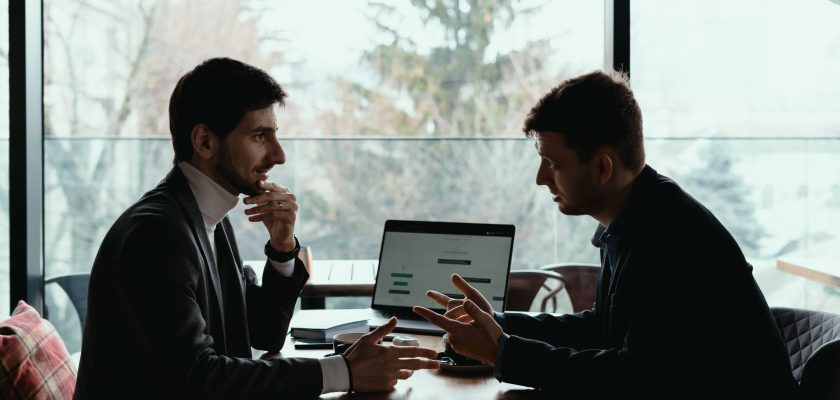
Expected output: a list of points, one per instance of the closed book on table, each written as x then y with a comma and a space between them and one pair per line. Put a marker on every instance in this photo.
324, 324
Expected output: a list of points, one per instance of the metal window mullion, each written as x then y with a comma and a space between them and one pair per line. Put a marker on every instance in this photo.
26, 153
617, 35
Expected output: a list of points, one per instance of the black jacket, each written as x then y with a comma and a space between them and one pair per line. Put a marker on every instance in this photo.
681, 315
158, 326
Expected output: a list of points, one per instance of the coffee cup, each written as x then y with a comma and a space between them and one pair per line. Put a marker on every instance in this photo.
343, 341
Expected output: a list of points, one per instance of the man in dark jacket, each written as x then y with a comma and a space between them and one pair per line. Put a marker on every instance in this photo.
677, 311
172, 312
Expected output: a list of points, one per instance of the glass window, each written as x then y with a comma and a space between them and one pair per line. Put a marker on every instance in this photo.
740, 101
407, 113
4, 158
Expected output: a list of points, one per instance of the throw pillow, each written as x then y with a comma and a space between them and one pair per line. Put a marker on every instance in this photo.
34, 363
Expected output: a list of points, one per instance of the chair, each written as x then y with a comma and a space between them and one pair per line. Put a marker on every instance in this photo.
528, 286
305, 256
76, 287
580, 280
812, 339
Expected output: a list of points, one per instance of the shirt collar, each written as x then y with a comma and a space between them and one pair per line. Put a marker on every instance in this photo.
213, 200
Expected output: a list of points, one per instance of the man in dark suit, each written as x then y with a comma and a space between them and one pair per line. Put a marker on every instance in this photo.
677, 311
172, 312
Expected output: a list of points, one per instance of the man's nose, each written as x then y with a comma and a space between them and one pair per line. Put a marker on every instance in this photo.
278, 156
541, 176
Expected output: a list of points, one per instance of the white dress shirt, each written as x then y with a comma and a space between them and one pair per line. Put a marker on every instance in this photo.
214, 202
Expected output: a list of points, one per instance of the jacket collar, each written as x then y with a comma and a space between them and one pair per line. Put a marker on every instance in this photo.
625, 220
176, 184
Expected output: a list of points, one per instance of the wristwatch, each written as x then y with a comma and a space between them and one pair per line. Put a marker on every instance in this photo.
280, 256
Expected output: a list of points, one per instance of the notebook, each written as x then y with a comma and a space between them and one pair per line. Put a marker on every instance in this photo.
416, 256
324, 324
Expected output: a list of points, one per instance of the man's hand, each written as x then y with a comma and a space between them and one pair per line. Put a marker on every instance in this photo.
477, 339
454, 307
277, 210
375, 367
472, 330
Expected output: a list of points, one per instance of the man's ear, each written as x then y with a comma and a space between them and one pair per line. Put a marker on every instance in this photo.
606, 167
204, 141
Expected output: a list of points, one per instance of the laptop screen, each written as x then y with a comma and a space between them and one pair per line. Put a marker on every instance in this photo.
418, 256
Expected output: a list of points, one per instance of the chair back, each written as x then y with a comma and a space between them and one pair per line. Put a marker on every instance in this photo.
305, 256
812, 339
580, 280
76, 287
529, 287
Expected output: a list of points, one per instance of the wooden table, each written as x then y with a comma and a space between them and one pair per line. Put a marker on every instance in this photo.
431, 384
822, 270
332, 278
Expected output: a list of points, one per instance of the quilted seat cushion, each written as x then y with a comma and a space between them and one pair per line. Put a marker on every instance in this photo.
804, 332
34, 363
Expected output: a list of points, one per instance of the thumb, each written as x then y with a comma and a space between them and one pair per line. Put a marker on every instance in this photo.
481, 318
379, 333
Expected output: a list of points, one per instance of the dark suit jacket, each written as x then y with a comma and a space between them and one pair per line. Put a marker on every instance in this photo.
158, 326
681, 316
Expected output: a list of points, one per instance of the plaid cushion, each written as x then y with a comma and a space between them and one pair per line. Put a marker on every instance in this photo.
34, 363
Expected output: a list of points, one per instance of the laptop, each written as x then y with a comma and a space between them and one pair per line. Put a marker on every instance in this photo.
417, 256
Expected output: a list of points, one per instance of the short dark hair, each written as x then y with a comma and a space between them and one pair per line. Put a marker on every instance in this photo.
217, 93
592, 111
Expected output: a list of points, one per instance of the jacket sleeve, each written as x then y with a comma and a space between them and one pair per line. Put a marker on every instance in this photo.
540, 365
160, 274
571, 330
568, 353
271, 305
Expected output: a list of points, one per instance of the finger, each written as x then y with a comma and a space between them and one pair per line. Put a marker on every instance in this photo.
276, 205
438, 297
446, 323
269, 197
465, 287
273, 186
466, 318
454, 303
481, 318
411, 351
378, 334
284, 215
404, 374
455, 312
417, 363
267, 187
